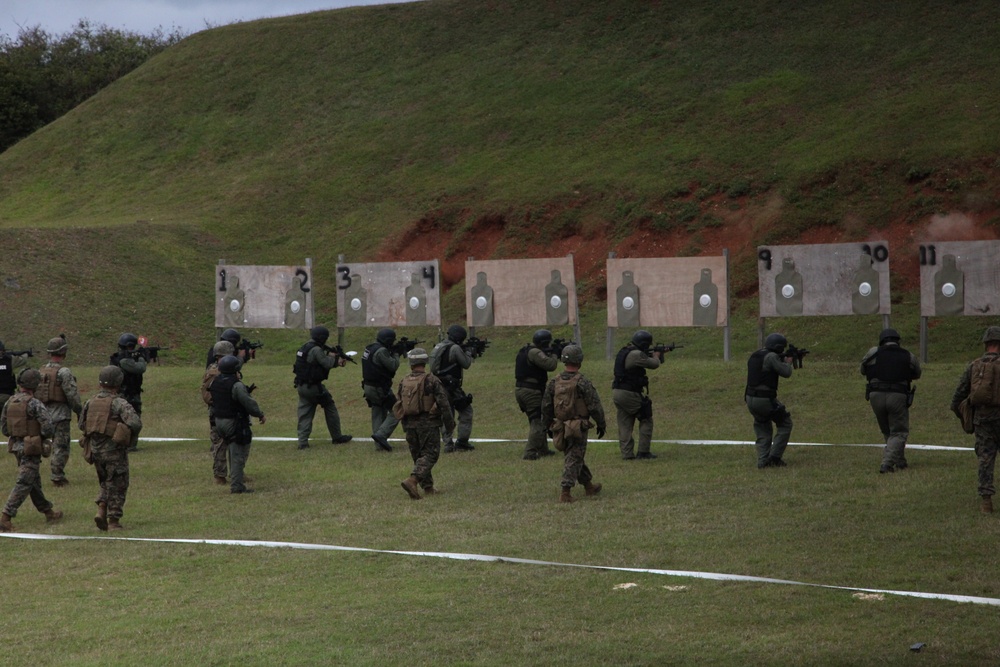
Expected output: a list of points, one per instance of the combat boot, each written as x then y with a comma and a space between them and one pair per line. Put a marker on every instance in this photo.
5, 525
987, 506
430, 491
221, 481
463, 445
52, 515
566, 496
101, 518
113, 524
592, 489
410, 486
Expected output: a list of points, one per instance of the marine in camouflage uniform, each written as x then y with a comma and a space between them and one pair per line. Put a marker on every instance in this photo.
312, 366
764, 368
531, 372
24, 419
62, 400
8, 364
630, 381
574, 423
233, 406
890, 369
379, 364
454, 361
220, 467
133, 365
423, 430
986, 419
103, 415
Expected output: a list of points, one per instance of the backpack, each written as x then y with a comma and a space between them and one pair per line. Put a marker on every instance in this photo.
566, 404
206, 383
438, 354
985, 382
415, 397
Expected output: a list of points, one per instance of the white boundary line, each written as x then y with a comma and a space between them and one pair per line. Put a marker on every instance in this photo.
714, 576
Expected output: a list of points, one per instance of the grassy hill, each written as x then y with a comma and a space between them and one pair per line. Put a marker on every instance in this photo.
586, 123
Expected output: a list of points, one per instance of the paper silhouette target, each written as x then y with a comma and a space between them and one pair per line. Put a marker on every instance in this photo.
667, 292
960, 278
388, 294
264, 297
824, 279
520, 292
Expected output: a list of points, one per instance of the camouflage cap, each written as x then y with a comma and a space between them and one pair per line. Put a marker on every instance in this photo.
991, 335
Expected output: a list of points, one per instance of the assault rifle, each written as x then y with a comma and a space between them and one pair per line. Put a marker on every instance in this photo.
557, 346
796, 354
250, 347
663, 349
475, 347
30, 352
339, 351
404, 345
150, 354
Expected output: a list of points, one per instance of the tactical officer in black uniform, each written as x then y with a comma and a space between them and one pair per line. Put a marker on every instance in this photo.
531, 374
764, 368
449, 360
629, 386
890, 369
378, 367
8, 379
133, 365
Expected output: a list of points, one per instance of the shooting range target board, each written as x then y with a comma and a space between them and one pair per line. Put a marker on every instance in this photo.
264, 297
667, 292
388, 294
520, 292
824, 279
960, 278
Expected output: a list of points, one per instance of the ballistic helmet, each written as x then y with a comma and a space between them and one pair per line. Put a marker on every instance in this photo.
456, 333
222, 348
991, 335
572, 354
775, 343
888, 334
417, 356
57, 346
231, 335
320, 334
128, 341
642, 339
386, 336
29, 379
111, 376
230, 365
542, 338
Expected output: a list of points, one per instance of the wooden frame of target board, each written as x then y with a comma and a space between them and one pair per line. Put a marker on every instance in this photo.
388, 294
668, 292
263, 297
958, 278
521, 292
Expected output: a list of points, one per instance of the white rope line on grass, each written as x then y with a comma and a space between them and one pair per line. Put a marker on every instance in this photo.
713, 576
942, 448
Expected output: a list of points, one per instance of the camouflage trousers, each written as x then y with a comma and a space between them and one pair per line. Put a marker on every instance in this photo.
893, 417
60, 450
111, 465
987, 443
574, 469
425, 449
220, 452
29, 483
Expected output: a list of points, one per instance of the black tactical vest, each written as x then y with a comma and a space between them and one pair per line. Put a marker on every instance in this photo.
8, 383
526, 374
131, 388
633, 379
223, 404
756, 376
305, 372
891, 370
372, 373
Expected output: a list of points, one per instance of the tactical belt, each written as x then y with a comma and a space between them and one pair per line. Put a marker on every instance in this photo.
527, 384
761, 393
892, 387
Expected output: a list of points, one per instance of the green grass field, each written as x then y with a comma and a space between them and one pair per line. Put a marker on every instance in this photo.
827, 519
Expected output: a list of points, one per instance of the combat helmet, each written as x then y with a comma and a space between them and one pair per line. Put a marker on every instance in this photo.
991, 335
29, 379
386, 336
572, 354
111, 376
642, 339
320, 334
230, 365
457, 333
222, 348
775, 343
231, 335
417, 356
57, 346
128, 341
542, 338
888, 335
